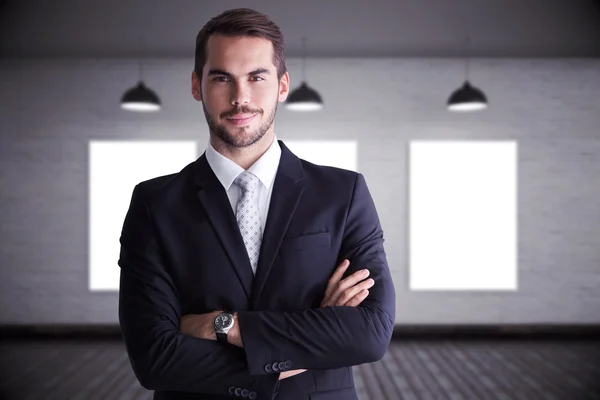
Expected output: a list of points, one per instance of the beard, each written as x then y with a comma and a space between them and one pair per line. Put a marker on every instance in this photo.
240, 136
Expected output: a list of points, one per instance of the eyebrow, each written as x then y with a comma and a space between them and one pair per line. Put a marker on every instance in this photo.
255, 72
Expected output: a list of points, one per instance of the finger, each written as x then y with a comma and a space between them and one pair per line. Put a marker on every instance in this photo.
335, 277
351, 292
359, 298
288, 374
349, 282
339, 271
355, 278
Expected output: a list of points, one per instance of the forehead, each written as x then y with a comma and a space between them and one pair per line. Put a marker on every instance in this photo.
234, 52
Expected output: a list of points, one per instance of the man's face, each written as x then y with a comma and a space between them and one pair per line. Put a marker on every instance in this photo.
239, 89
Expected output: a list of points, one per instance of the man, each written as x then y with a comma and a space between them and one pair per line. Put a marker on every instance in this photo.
246, 273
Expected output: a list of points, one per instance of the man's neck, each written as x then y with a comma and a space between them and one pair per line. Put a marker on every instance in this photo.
244, 156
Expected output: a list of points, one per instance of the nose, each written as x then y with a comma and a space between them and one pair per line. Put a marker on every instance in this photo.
240, 94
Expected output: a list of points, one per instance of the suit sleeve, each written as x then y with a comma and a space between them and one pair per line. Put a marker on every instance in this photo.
162, 357
331, 337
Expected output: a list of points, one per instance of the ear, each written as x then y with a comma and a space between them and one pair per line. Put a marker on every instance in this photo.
284, 87
196, 89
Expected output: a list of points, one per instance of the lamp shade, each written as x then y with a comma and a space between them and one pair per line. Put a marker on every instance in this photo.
304, 98
467, 98
140, 98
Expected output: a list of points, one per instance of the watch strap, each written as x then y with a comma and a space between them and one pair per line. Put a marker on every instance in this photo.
222, 337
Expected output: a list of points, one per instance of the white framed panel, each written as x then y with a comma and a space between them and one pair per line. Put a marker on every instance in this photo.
463, 215
115, 167
332, 153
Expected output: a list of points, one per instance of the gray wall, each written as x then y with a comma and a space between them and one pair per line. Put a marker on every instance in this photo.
351, 28
51, 109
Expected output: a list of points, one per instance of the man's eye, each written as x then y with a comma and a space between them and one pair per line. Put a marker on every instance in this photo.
258, 78
221, 79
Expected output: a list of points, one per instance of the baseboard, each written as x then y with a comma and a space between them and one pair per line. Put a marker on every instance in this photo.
505, 331
61, 331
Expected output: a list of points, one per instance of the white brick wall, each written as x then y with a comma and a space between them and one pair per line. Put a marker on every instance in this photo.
51, 109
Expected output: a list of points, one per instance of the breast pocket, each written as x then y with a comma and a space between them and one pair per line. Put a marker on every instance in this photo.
301, 270
307, 241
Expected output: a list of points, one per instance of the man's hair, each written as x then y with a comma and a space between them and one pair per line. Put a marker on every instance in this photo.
241, 22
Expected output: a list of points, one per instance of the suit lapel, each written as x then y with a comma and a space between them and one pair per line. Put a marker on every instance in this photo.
216, 204
285, 197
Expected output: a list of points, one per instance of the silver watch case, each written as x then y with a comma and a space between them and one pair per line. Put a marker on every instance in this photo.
223, 322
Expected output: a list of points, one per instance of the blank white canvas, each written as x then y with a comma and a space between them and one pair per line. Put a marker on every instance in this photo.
463, 215
115, 167
333, 153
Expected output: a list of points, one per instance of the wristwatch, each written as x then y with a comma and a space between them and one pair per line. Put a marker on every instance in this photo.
223, 324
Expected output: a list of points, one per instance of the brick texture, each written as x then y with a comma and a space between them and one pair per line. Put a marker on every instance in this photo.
50, 109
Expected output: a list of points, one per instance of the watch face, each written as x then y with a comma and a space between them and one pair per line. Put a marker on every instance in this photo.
223, 321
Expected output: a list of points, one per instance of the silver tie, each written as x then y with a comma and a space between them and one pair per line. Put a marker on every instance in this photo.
248, 216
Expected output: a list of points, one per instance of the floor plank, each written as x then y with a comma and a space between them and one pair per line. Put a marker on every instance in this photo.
55, 369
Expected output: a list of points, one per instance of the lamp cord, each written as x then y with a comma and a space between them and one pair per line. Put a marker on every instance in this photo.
304, 58
140, 68
467, 58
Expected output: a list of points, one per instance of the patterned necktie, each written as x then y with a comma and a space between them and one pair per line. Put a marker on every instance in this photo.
247, 215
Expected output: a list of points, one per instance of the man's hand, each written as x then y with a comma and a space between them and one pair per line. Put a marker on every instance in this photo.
199, 325
289, 374
348, 292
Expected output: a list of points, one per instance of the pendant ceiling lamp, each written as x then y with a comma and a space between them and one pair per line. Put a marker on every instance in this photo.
140, 98
304, 98
467, 97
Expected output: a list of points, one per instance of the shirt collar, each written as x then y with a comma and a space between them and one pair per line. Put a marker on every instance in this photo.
265, 168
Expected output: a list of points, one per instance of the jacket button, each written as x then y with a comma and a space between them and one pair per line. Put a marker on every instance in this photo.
275, 367
281, 366
268, 368
245, 392
252, 395
288, 364
237, 391
231, 389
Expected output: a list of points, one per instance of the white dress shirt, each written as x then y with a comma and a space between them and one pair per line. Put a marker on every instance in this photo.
265, 169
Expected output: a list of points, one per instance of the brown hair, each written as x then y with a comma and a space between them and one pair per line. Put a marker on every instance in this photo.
241, 22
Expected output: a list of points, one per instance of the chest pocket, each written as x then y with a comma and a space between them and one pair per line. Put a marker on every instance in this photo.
307, 241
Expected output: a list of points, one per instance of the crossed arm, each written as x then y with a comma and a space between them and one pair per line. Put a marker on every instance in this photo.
349, 292
165, 358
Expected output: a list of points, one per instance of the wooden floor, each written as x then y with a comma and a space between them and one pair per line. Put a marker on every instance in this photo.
412, 369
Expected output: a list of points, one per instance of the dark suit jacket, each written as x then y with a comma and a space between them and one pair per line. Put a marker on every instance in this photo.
182, 253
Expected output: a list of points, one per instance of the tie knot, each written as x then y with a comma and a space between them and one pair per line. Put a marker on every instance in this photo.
247, 181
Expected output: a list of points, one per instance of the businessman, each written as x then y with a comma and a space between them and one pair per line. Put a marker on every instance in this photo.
251, 273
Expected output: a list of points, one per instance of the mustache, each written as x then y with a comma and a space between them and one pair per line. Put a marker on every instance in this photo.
241, 110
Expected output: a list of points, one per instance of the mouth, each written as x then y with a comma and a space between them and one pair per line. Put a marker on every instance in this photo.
241, 119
